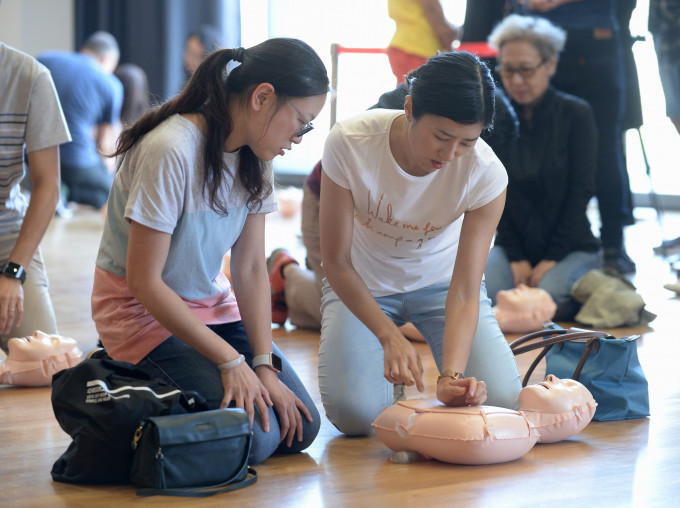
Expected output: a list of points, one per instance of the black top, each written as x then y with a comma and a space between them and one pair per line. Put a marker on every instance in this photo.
551, 179
481, 16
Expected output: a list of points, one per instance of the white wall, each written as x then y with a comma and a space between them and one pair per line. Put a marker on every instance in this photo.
34, 26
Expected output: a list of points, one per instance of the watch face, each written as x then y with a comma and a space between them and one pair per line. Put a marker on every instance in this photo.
14, 271
276, 362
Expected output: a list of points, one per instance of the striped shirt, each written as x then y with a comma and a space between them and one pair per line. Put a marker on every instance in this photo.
30, 119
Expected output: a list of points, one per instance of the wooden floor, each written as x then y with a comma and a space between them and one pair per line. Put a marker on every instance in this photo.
632, 463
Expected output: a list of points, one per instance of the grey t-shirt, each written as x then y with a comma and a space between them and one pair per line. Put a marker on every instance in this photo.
30, 118
160, 185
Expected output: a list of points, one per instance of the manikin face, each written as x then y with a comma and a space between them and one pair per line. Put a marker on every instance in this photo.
554, 395
522, 298
434, 141
38, 346
281, 123
522, 57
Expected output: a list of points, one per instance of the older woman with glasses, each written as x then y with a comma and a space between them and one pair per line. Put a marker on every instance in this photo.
544, 237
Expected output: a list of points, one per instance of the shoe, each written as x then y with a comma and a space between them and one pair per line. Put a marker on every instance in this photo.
275, 263
673, 287
668, 247
279, 309
278, 259
63, 211
616, 261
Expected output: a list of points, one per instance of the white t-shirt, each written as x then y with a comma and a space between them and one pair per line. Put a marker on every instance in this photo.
406, 228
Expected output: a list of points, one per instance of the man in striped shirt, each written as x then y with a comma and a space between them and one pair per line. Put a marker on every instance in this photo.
32, 123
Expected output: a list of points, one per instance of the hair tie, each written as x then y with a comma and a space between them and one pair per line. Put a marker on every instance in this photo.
238, 54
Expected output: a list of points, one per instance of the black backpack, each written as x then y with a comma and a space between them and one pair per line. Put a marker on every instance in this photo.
100, 403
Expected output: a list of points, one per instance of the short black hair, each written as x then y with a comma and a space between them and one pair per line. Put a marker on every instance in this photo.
456, 85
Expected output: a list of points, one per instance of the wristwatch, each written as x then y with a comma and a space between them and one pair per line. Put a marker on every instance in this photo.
14, 271
452, 374
271, 360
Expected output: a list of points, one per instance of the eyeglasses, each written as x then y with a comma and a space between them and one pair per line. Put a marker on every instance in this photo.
306, 127
525, 72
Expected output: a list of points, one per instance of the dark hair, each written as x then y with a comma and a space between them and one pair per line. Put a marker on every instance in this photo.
289, 65
135, 92
456, 85
210, 37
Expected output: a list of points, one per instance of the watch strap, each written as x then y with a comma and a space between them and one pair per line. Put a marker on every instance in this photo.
452, 374
266, 360
14, 271
262, 360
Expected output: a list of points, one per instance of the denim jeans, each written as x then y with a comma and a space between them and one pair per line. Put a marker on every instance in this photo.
353, 388
182, 366
558, 281
89, 185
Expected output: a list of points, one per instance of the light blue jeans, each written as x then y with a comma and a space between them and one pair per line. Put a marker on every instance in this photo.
558, 281
353, 388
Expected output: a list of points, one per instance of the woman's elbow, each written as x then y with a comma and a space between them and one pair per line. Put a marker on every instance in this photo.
334, 267
138, 286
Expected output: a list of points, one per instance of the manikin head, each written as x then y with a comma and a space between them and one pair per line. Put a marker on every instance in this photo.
554, 395
523, 309
558, 408
38, 346
33, 360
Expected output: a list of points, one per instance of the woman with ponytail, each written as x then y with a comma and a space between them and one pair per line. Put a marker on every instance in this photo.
195, 181
412, 199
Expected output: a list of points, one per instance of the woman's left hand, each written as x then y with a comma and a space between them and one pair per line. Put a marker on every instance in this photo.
11, 304
287, 405
461, 392
539, 271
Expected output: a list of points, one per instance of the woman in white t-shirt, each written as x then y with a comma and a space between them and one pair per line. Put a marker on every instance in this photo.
195, 182
410, 202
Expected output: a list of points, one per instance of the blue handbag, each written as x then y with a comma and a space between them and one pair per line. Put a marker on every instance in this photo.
607, 366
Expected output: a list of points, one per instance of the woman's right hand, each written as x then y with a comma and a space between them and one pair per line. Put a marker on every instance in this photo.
461, 392
402, 362
242, 386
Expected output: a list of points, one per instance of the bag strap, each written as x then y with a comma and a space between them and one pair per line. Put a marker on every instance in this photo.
555, 335
206, 491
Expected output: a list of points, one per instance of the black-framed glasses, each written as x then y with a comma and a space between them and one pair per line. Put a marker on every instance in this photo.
306, 127
525, 72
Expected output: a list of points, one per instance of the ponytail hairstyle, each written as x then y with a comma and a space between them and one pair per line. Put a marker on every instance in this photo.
456, 85
289, 65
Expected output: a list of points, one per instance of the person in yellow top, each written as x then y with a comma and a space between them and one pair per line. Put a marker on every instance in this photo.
421, 31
